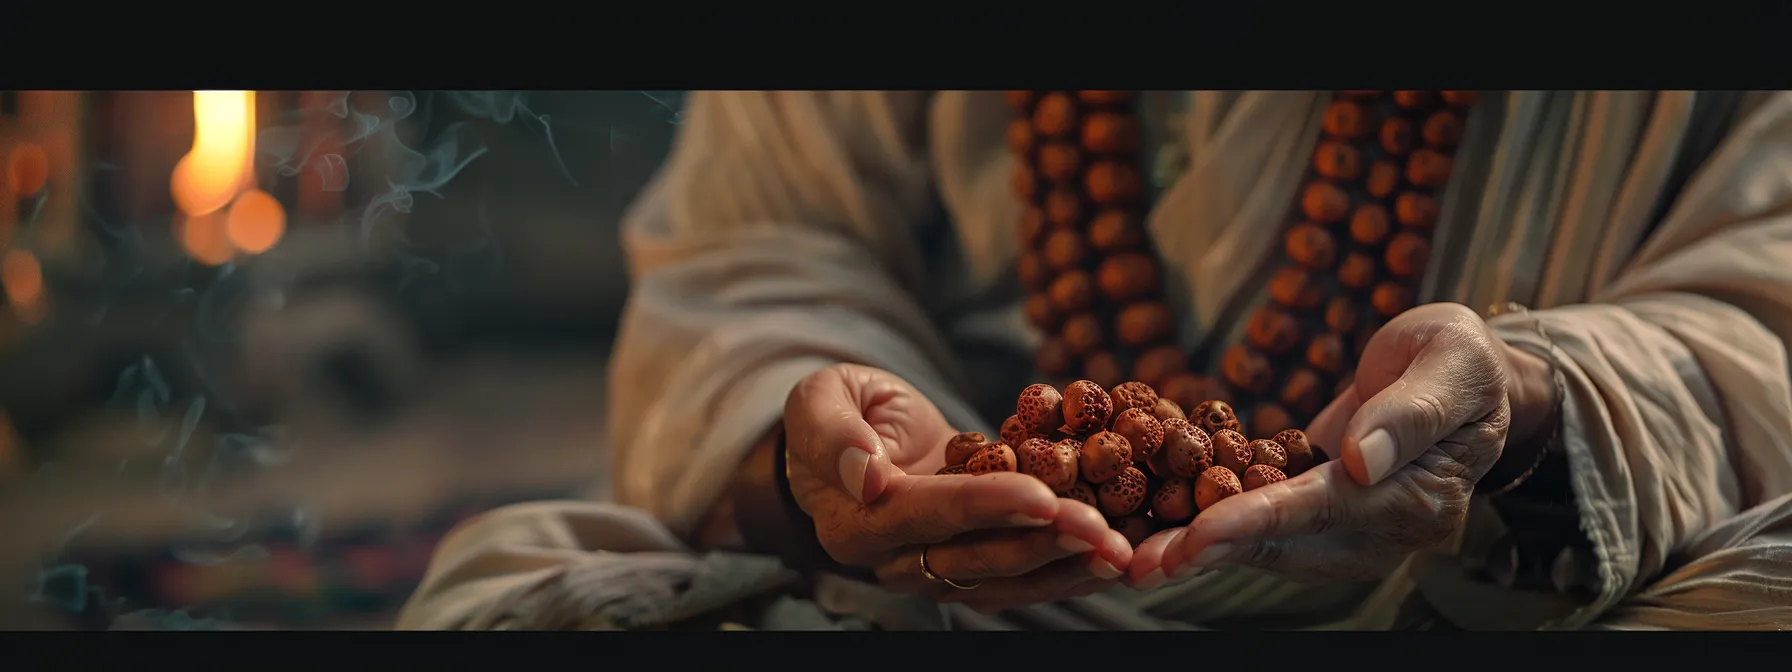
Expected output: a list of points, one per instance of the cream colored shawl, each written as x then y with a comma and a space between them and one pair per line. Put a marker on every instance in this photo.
789, 230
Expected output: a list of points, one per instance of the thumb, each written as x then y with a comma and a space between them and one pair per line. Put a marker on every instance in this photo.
829, 440
1444, 387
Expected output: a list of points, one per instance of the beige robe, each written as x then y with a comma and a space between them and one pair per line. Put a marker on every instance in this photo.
790, 230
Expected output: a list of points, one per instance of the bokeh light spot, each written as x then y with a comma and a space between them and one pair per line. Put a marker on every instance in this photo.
27, 169
204, 239
256, 222
22, 276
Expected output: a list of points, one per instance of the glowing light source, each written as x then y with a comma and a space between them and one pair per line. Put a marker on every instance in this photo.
22, 276
204, 239
255, 222
27, 169
210, 175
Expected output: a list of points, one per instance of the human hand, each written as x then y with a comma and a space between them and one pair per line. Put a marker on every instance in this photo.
1425, 418
864, 446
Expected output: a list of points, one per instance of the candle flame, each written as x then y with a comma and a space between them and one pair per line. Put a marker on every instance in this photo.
212, 174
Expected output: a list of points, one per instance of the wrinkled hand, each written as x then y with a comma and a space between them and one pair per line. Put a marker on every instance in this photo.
864, 445
1424, 419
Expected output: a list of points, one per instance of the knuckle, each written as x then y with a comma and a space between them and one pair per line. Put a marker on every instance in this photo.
1264, 553
1428, 410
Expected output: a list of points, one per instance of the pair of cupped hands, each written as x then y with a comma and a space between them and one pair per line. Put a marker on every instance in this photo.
1425, 417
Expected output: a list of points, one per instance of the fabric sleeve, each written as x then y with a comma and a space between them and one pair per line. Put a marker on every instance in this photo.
1678, 414
778, 238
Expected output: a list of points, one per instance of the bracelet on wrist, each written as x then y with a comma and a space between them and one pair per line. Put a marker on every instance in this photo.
1507, 475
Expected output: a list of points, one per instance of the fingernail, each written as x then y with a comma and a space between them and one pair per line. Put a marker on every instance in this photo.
854, 464
1073, 544
1103, 569
1377, 450
1151, 581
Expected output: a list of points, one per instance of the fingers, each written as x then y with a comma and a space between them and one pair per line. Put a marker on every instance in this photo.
829, 438
1451, 377
932, 509
1147, 569
1310, 557
1082, 522
1313, 503
980, 556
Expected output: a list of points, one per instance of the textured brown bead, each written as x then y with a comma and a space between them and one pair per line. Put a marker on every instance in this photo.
1428, 168
1143, 323
961, 447
1260, 475
1082, 492
1396, 136
1413, 100
1442, 130
1116, 231
993, 458
1025, 183
1122, 494
1054, 115
1020, 100
1273, 331
1187, 451
1267, 452
1016, 432
1166, 410
1391, 298
1156, 365
1104, 368
1040, 408
1053, 464
1340, 314
1059, 162
1303, 392
1020, 138
1300, 453
1130, 395
1407, 254
1213, 416
1031, 231
1083, 334
1326, 353
1296, 287
1214, 485
1032, 271
1231, 450
1370, 225
1459, 99
1104, 455
1357, 271
1270, 417
1188, 390
1040, 311
1128, 276
1324, 203
950, 470
1337, 160
1312, 246
1246, 369
1174, 502
1053, 358
1416, 210
1111, 183
1135, 528
1345, 120
1105, 97
1087, 407
1071, 292
1108, 133
1143, 432
1064, 209
1064, 250
1383, 179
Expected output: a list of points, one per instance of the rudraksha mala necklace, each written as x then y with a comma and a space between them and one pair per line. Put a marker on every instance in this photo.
1355, 248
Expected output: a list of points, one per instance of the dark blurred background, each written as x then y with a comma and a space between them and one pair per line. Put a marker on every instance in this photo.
251, 415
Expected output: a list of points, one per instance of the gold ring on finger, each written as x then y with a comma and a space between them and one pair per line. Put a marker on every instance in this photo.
928, 572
